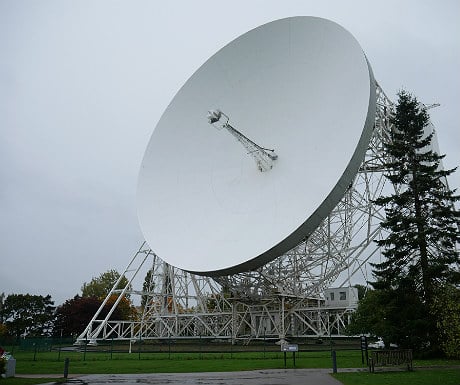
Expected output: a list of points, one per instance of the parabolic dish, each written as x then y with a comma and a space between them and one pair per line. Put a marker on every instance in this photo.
301, 86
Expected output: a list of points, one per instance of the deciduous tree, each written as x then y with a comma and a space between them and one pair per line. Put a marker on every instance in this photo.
74, 314
446, 311
100, 287
26, 314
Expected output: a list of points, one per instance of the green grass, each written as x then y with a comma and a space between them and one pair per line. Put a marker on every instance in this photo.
417, 377
47, 363
44, 363
27, 381
436, 362
103, 362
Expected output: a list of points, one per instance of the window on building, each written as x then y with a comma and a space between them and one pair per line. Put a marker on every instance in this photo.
332, 296
343, 295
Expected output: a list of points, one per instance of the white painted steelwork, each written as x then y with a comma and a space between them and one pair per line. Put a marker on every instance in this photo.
282, 298
264, 157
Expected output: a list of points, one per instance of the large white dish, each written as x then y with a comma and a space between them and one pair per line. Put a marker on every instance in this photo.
301, 86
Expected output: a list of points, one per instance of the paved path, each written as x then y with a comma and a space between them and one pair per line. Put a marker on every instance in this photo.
256, 377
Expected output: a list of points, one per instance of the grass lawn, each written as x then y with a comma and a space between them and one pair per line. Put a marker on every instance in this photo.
47, 363
117, 363
417, 377
27, 381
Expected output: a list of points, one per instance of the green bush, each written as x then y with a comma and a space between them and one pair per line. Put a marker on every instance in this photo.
2, 365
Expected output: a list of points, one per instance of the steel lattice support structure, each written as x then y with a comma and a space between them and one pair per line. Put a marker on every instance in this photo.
264, 157
284, 297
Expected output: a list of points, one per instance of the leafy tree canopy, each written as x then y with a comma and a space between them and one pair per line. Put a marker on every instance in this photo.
26, 314
99, 287
446, 311
392, 315
73, 315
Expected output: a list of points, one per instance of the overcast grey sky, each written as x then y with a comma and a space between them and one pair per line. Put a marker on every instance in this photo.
83, 83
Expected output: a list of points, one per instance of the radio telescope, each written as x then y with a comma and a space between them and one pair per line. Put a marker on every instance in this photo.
304, 89
255, 191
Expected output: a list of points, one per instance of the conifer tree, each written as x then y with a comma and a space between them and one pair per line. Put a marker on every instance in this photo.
422, 223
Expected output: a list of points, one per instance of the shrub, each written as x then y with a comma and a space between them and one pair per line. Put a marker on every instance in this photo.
2, 365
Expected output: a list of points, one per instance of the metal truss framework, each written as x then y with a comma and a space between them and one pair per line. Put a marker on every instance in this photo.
282, 299
264, 157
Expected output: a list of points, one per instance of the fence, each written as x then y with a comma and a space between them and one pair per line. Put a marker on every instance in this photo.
107, 349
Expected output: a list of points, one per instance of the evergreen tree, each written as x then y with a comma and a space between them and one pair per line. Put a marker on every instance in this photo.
147, 287
422, 222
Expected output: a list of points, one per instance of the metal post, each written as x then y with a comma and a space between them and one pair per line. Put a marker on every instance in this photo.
283, 333
231, 348
66, 367
364, 350
284, 353
139, 350
329, 329
264, 339
60, 345
334, 362
293, 357
169, 346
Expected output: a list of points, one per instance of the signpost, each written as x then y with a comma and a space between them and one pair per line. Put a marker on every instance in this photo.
289, 348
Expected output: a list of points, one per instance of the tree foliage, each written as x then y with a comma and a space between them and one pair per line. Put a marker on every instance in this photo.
99, 287
2, 365
422, 232
391, 315
421, 218
2, 299
147, 287
3, 328
362, 290
26, 314
3, 331
370, 316
446, 311
74, 314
